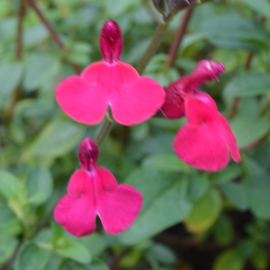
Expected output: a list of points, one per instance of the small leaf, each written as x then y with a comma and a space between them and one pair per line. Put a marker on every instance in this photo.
198, 186
258, 190
223, 230
244, 134
40, 68
204, 213
74, 251
248, 84
31, 257
39, 184
56, 139
236, 193
229, 259
10, 186
10, 76
7, 217
165, 163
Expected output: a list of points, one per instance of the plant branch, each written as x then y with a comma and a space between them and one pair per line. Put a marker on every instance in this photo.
179, 36
19, 53
52, 32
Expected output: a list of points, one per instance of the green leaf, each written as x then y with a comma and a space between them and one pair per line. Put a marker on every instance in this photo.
198, 186
7, 217
223, 230
35, 34
165, 204
228, 174
10, 186
31, 257
74, 251
98, 264
258, 190
7, 248
10, 76
229, 259
261, 6
165, 163
162, 253
56, 139
39, 183
204, 212
248, 84
40, 68
236, 193
249, 128
231, 31
260, 258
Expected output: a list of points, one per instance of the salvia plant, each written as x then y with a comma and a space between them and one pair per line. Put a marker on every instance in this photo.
120, 144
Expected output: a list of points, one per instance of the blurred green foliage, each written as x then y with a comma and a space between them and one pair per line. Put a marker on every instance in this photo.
228, 209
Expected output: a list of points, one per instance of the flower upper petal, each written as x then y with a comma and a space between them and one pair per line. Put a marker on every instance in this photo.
133, 99
83, 101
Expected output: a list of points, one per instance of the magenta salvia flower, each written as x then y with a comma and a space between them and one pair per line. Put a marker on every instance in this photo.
205, 141
110, 83
93, 190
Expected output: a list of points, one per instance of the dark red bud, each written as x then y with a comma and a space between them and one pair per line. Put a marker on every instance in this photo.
208, 70
88, 154
159, 5
176, 5
111, 41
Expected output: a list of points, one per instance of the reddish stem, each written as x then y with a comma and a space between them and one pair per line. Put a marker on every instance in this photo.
53, 33
16, 93
179, 37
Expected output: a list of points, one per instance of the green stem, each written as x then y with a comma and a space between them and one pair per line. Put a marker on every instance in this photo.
157, 38
104, 130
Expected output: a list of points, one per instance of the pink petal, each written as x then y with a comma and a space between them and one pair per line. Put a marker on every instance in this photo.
200, 108
83, 101
202, 147
133, 99
231, 140
117, 206
77, 215
172, 110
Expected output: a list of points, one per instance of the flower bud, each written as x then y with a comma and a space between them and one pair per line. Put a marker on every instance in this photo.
88, 154
175, 5
111, 42
159, 5
208, 70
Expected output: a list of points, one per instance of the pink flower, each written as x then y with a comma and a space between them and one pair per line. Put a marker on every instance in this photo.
110, 83
93, 190
206, 140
